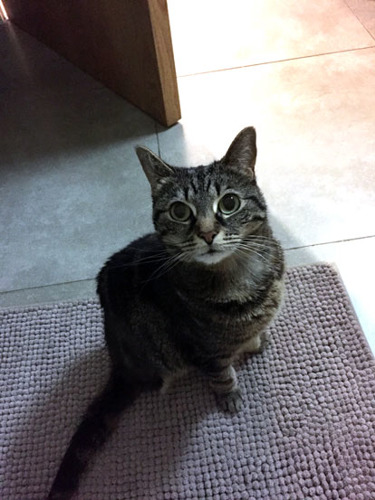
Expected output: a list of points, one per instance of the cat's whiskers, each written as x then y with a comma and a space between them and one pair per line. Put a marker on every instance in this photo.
180, 258
255, 244
250, 249
188, 255
264, 241
244, 257
188, 243
167, 266
261, 240
253, 247
259, 247
257, 238
232, 238
150, 259
245, 242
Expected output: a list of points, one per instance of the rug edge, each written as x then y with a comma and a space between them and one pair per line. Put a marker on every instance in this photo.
95, 300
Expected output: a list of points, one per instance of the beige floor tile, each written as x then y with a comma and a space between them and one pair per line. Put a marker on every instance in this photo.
216, 34
364, 10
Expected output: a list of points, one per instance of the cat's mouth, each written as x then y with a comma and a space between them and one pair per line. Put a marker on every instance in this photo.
212, 255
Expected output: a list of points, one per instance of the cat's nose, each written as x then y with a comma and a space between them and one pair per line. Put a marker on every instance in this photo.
207, 236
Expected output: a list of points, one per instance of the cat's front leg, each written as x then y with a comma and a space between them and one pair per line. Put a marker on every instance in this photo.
223, 381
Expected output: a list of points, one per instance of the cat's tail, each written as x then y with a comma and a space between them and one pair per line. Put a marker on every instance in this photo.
97, 425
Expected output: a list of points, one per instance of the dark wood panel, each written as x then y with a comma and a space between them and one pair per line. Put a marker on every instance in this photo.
126, 44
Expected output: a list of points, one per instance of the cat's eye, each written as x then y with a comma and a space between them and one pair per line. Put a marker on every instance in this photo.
180, 211
229, 204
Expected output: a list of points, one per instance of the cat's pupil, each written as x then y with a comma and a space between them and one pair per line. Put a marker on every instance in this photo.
229, 203
180, 211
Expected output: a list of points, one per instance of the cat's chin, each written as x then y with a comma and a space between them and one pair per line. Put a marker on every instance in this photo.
211, 258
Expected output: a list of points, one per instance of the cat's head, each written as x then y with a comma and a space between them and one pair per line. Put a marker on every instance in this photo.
206, 214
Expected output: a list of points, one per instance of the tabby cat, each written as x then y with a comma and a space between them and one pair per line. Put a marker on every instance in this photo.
194, 294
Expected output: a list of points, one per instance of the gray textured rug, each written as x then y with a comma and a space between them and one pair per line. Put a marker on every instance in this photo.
307, 429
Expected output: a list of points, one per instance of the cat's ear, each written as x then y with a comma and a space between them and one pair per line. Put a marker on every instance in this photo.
242, 152
154, 168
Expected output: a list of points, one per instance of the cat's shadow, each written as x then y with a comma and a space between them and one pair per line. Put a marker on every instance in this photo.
142, 457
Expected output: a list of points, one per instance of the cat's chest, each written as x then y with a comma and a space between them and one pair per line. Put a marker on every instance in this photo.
225, 303
230, 327
235, 298
225, 290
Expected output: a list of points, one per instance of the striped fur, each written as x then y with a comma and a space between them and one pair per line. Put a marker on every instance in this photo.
194, 294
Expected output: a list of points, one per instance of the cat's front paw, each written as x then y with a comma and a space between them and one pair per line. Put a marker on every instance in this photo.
257, 344
231, 401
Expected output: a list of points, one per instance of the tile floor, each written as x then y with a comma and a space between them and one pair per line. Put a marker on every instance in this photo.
72, 192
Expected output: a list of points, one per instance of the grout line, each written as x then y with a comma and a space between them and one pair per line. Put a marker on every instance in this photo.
276, 61
93, 279
359, 20
330, 242
46, 286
